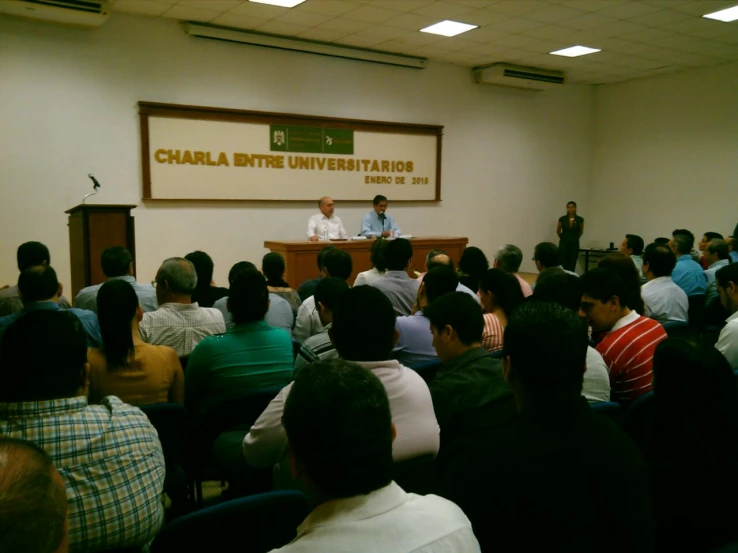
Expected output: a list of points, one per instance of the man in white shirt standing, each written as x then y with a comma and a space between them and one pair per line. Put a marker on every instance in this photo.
663, 299
727, 285
340, 428
326, 225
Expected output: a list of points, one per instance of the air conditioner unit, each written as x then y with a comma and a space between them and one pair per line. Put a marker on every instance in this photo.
528, 78
85, 13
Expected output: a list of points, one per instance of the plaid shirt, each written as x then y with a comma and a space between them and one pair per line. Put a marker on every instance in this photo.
180, 326
110, 459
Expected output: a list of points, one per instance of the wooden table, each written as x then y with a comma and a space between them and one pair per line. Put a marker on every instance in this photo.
301, 257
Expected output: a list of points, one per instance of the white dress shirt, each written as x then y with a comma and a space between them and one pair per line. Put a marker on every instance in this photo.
412, 412
367, 277
180, 326
307, 322
665, 301
318, 223
727, 344
388, 520
712, 293
596, 383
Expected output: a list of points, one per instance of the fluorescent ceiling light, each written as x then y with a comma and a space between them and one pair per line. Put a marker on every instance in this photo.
280, 3
575, 51
448, 28
727, 15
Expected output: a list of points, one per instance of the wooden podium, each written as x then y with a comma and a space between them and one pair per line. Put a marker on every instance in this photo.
92, 229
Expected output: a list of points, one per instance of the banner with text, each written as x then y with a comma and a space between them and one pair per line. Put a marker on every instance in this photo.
192, 153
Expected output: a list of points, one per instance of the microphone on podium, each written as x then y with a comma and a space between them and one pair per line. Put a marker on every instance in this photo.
95, 186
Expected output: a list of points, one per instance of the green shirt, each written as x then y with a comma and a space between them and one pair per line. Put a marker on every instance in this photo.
229, 366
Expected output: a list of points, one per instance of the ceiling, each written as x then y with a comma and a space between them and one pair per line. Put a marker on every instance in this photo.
637, 38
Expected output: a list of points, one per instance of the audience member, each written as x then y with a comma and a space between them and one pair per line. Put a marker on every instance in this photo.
126, 366
663, 300
629, 340
509, 259
339, 422
108, 455
429, 256
717, 256
319, 347
117, 264
336, 263
500, 293
706, 239
559, 477
733, 251
566, 290
687, 274
443, 260
397, 285
727, 285
694, 253
662, 241
626, 270
307, 288
273, 267
179, 323
469, 392
632, 246
206, 293
546, 256
363, 331
326, 225
40, 290
472, 265
33, 500
29, 255
414, 339
279, 314
376, 256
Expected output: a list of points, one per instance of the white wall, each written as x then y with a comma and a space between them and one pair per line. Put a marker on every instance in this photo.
68, 99
665, 156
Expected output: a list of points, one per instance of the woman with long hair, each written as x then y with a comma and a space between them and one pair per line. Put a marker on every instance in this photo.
472, 265
126, 366
500, 294
206, 292
273, 268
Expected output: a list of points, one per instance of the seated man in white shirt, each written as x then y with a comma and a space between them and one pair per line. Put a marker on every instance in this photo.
727, 285
632, 246
363, 331
325, 225
663, 300
717, 256
340, 427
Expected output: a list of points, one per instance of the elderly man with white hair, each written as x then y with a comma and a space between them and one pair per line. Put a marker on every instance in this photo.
508, 259
325, 225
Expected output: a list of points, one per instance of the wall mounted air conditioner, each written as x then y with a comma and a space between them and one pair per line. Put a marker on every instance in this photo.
85, 13
528, 78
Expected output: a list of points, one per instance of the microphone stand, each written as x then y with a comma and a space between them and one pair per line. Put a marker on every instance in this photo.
95, 186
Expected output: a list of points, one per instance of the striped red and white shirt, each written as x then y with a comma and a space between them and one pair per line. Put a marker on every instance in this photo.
493, 333
628, 352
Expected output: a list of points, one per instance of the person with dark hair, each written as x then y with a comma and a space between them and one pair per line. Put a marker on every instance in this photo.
717, 256
376, 223
108, 455
29, 255
126, 366
732, 242
662, 241
706, 238
179, 322
546, 256
565, 289
687, 273
396, 284
569, 229
632, 246
414, 339
376, 256
33, 500
508, 259
363, 331
206, 293
339, 423
117, 264
273, 267
663, 300
40, 290
557, 462
472, 265
469, 392
307, 288
629, 339
626, 270
319, 347
727, 285
444, 260
500, 293
337, 263
326, 225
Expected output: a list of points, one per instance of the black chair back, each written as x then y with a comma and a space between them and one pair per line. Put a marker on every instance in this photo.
172, 423
697, 311
428, 370
238, 413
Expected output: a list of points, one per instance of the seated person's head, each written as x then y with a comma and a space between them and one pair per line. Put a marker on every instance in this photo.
339, 426
545, 352
708, 236
658, 261
248, 297
731, 240
321, 255
39, 283
116, 261
328, 293
632, 244
397, 254
440, 260
604, 298
175, 279
560, 287
431, 254
456, 323
662, 241
716, 250
436, 283
473, 262
117, 309
682, 242
364, 325
337, 263
43, 356
376, 255
546, 255
508, 258
203, 267
238, 268
273, 267
32, 253
33, 500
627, 271
500, 290
727, 284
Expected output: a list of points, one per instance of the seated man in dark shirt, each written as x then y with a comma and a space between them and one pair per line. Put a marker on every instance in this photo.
559, 477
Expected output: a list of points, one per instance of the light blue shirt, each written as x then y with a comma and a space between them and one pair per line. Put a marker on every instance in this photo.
87, 318
415, 341
734, 255
712, 292
279, 315
401, 290
689, 276
372, 225
87, 297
